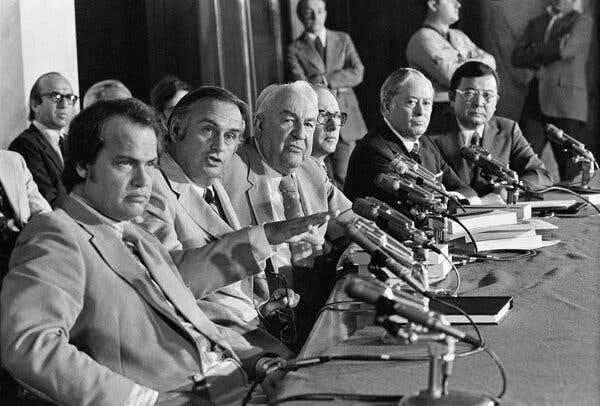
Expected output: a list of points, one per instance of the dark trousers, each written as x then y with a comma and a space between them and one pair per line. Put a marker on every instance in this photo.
533, 122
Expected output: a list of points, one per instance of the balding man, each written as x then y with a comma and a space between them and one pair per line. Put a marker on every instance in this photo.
271, 178
406, 99
51, 106
110, 89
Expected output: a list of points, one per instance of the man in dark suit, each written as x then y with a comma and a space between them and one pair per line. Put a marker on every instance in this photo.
272, 177
95, 310
327, 57
51, 104
190, 208
556, 45
406, 100
473, 97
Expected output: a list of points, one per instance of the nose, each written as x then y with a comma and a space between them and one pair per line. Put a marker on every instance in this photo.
478, 100
218, 142
299, 131
330, 125
142, 176
457, 3
418, 110
63, 103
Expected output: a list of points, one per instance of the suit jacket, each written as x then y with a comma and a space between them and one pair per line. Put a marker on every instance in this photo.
82, 321
343, 70
503, 139
180, 218
560, 62
22, 192
438, 58
373, 155
43, 162
246, 184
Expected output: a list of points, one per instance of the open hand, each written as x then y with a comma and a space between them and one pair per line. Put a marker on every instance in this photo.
298, 229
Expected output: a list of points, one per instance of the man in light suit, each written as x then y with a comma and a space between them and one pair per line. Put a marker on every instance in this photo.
406, 99
556, 45
255, 182
473, 95
94, 310
327, 57
189, 207
19, 200
51, 106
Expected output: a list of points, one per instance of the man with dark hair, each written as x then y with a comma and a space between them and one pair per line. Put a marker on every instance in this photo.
438, 50
406, 99
166, 93
189, 208
555, 46
473, 96
51, 103
94, 310
322, 56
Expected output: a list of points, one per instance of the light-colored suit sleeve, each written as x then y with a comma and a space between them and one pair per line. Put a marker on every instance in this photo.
351, 74
37, 203
42, 297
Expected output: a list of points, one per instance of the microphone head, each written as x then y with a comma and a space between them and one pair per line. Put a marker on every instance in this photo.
387, 182
470, 154
365, 208
398, 165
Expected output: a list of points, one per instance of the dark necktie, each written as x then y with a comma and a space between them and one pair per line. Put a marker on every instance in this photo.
475, 138
211, 198
414, 153
320, 48
301, 251
61, 145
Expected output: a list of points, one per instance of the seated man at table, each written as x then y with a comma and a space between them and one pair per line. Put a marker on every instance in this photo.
405, 102
473, 95
189, 207
94, 310
273, 178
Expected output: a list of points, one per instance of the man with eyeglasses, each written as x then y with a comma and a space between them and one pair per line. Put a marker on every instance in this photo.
473, 96
272, 178
406, 100
327, 131
51, 106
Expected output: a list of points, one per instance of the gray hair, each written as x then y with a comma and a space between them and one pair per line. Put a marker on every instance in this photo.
394, 83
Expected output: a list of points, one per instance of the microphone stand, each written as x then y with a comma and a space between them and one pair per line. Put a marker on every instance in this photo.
587, 168
441, 352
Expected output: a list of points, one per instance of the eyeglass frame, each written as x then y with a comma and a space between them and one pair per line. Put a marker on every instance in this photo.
57, 97
476, 92
285, 315
331, 116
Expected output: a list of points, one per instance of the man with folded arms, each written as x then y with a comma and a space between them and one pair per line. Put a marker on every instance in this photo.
474, 93
94, 310
189, 207
406, 100
272, 177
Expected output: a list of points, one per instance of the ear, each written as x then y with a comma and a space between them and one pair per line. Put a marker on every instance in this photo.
451, 95
173, 131
258, 126
33, 106
81, 171
385, 108
432, 5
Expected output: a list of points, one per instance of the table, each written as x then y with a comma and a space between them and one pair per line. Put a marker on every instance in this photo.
549, 343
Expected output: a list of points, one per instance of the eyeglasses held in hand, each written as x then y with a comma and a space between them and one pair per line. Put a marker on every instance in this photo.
339, 119
470, 94
56, 97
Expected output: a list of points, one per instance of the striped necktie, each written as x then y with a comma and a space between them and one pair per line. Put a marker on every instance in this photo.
302, 253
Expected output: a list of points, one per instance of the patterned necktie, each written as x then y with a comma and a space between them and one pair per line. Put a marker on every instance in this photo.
302, 253
414, 153
320, 48
211, 198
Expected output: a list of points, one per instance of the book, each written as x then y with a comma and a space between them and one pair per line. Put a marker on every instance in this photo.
500, 234
530, 224
528, 242
481, 220
523, 210
482, 309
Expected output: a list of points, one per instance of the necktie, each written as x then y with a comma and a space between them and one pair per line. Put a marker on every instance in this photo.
475, 138
211, 198
320, 48
292, 208
414, 153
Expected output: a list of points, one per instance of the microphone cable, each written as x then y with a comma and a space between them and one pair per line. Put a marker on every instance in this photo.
457, 220
562, 189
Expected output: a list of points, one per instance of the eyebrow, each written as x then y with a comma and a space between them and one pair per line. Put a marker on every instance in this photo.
130, 158
214, 123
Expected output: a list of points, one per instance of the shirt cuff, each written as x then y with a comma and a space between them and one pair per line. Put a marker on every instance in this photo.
141, 396
261, 249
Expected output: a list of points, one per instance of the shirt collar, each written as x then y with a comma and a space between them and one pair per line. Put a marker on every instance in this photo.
408, 144
116, 226
466, 134
322, 35
53, 136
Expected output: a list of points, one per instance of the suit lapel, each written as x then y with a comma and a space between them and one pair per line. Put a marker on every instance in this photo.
48, 150
310, 54
228, 209
258, 190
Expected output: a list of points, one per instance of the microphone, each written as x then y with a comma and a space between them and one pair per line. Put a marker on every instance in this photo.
559, 137
485, 160
376, 295
380, 257
401, 165
414, 193
390, 220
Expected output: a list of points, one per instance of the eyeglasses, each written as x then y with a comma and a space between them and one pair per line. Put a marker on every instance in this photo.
285, 315
470, 94
56, 97
339, 119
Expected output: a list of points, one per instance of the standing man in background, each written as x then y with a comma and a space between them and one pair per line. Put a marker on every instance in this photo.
327, 57
438, 50
556, 45
51, 104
